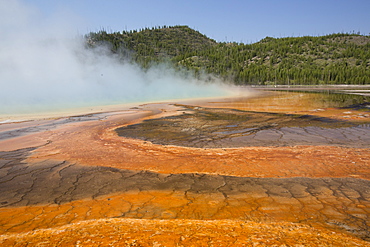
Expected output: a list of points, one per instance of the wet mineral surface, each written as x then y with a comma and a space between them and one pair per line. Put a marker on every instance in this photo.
226, 128
228, 172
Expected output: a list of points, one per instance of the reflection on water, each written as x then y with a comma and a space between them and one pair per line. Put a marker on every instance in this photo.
279, 119
282, 101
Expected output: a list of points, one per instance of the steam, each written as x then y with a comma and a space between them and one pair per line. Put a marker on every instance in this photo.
44, 66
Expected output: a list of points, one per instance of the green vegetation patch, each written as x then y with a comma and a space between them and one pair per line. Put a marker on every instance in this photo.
332, 59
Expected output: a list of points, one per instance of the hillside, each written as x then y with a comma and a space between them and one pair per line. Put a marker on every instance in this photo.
331, 59
155, 44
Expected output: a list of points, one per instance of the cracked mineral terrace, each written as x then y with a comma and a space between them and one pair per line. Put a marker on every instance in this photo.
234, 171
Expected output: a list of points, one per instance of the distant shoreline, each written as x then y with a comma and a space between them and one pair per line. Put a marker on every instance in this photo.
363, 90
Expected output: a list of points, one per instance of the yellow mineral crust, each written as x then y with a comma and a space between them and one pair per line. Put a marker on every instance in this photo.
180, 232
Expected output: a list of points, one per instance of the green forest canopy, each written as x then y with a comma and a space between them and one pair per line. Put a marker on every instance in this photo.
341, 58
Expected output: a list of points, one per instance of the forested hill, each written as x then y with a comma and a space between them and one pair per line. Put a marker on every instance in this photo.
153, 45
330, 59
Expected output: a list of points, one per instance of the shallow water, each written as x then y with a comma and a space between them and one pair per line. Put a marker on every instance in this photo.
279, 119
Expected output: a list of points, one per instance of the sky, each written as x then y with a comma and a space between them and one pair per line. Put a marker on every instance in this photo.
233, 20
44, 66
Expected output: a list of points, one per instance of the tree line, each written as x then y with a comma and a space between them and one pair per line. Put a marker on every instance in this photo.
341, 58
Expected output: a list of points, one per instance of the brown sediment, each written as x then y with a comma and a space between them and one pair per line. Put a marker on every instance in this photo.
82, 170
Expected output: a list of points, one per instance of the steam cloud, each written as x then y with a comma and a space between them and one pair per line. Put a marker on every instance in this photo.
44, 66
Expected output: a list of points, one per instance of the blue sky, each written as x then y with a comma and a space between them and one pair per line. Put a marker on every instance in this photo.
233, 20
